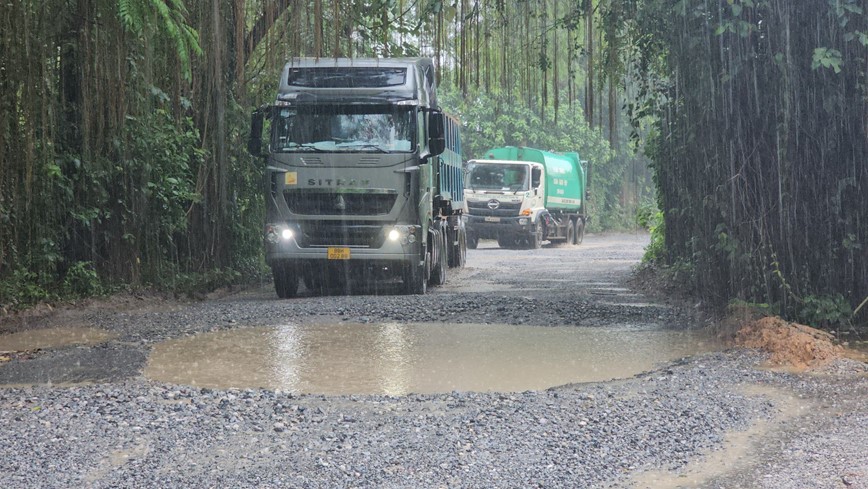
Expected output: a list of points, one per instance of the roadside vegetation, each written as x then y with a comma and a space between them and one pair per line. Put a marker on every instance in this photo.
732, 130
759, 153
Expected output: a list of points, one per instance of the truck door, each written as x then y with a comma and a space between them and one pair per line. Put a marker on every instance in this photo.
536, 182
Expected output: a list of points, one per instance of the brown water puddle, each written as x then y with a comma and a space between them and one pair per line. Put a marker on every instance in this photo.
397, 359
53, 338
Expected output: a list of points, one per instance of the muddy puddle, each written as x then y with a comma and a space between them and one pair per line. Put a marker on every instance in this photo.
53, 338
398, 359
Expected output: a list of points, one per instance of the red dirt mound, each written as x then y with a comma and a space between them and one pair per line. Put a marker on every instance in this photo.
790, 344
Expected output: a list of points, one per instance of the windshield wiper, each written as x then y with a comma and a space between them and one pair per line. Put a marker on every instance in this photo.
362, 146
374, 147
304, 146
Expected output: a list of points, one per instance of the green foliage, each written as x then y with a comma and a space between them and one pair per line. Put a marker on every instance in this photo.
827, 58
247, 205
652, 219
646, 216
21, 288
824, 310
82, 281
160, 156
726, 243
752, 99
169, 18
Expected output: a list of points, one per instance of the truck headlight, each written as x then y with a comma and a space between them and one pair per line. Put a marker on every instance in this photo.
404, 234
276, 232
400, 233
522, 222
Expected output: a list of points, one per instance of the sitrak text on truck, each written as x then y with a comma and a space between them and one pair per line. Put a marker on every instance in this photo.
364, 176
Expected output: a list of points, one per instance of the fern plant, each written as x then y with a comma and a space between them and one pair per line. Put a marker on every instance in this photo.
170, 18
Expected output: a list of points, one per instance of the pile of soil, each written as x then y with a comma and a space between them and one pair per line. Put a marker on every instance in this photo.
791, 345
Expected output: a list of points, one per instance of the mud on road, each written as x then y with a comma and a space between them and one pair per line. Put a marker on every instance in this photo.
79, 411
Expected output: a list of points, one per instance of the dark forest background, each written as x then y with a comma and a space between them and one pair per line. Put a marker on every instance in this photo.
737, 130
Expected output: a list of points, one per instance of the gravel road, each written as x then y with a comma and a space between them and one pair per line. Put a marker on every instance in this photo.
715, 420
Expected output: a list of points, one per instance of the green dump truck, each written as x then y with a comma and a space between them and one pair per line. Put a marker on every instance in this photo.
363, 179
524, 196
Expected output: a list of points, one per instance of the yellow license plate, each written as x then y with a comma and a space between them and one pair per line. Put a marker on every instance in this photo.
339, 253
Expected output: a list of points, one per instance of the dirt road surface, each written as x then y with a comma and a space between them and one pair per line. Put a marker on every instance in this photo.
83, 403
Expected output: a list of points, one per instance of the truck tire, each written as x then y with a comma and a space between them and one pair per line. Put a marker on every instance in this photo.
580, 230
472, 241
438, 272
415, 279
285, 281
536, 237
458, 255
571, 232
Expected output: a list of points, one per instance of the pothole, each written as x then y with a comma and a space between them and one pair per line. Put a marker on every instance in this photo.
397, 359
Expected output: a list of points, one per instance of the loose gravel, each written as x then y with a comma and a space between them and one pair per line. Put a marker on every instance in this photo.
123, 430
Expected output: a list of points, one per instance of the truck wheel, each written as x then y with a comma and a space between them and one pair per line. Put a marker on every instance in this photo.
458, 255
472, 241
285, 281
438, 273
415, 279
580, 231
571, 232
462, 252
536, 238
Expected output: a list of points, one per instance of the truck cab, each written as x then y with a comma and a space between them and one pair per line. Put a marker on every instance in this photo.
505, 201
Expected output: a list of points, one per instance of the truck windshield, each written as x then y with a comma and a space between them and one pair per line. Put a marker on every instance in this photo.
381, 129
494, 176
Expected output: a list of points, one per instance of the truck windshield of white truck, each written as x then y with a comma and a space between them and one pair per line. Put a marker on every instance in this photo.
495, 176
366, 128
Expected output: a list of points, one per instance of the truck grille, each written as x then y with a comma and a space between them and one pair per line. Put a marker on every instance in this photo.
340, 204
339, 233
505, 209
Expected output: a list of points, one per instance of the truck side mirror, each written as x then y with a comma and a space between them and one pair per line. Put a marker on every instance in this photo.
535, 177
254, 144
436, 133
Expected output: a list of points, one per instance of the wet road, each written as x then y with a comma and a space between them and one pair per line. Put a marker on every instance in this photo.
443, 390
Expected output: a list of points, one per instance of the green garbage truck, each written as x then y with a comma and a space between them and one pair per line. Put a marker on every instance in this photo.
523, 196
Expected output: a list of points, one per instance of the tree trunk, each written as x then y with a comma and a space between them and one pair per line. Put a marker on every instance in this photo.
589, 95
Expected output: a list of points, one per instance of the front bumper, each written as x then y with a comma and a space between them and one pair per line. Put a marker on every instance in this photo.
347, 244
487, 227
